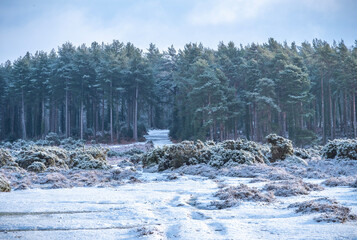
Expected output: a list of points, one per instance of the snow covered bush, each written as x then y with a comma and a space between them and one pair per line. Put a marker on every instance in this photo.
21, 144
53, 139
128, 153
55, 180
232, 196
71, 144
302, 153
291, 188
280, 147
49, 156
89, 158
4, 184
330, 209
228, 153
340, 181
37, 167
6, 159
341, 148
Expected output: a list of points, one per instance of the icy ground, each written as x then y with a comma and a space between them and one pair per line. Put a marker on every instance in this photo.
170, 205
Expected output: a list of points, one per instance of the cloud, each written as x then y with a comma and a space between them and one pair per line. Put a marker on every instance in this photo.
227, 11
48, 24
54, 27
321, 5
213, 12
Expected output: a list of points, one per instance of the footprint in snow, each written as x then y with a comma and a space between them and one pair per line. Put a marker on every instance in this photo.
199, 216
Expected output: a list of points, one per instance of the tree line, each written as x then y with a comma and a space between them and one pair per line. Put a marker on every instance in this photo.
110, 92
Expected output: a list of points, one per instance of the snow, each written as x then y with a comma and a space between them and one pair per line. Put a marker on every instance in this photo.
159, 137
166, 209
169, 205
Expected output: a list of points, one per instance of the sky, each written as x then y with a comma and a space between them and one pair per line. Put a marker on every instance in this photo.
34, 25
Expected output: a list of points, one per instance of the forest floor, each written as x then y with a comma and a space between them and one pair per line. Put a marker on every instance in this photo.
280, 201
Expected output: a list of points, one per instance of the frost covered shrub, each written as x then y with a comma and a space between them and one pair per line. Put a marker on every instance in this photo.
280, 147
89, 158
6, 159
55, 180
292, 188
295, 160
341, 148
21, 144
131, 152
231, 196
154, 156
302, 153
49, 156
113, 153
172, 156
53, 139
330, 209
258, 150
4, 184
71, 144
230, 158
340, 181
135, 158
228, 153
37, 167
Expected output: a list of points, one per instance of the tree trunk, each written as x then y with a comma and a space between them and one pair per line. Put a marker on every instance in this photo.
345, 113
23, 123
323, 111
103, 118
301, 116
81, 121
255, 116
332, 127
43, 118
117, 126
135, 130
66, 114
284, 125
354, 113
94, 122
111, 112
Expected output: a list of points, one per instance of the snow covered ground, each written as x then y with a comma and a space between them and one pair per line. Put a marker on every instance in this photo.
169, 205
159, 137
163, 209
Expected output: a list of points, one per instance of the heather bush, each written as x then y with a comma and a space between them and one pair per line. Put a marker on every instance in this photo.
289, 188
231, 196
331, 210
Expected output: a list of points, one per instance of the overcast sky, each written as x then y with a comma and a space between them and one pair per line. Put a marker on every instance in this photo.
31, 25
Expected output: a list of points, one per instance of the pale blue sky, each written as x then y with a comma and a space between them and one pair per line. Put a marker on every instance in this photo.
30, 25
